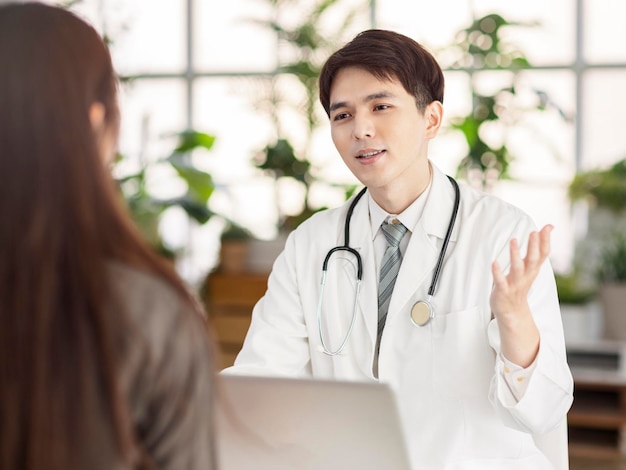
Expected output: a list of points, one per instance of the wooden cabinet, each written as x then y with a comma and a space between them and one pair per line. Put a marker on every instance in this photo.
229, 300
597, 419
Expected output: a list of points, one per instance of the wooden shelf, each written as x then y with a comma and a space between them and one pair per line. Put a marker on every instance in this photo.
597, 419
229, 300
601, 419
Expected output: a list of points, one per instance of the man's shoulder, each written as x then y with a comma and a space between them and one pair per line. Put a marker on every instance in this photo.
487, 203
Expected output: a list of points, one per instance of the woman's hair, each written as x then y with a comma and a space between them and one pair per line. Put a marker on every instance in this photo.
387, 55
61, 223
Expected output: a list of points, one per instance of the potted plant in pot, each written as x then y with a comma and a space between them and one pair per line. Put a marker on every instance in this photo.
579, 313
611, 275
235, 242
146, 209
602, 188
602, 193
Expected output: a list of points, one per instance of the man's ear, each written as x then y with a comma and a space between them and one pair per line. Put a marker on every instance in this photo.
434, 116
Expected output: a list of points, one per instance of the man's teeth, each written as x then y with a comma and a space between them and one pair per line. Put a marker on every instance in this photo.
369, 154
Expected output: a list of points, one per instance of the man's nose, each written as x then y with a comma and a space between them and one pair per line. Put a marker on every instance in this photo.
363, 128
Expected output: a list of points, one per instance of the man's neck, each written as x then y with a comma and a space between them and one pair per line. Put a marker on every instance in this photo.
396, 198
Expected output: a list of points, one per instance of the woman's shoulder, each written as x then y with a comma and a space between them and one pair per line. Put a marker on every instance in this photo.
166, 368
149, 302
130, 281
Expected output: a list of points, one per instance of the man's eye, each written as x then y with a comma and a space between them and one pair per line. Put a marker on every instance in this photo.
340, 116
380, 107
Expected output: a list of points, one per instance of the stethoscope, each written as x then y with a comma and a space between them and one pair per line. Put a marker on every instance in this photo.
422, 311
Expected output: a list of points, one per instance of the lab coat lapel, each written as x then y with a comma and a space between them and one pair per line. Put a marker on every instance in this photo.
361, 240
427, 236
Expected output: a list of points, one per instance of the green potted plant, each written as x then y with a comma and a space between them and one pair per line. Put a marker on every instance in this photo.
304, 45
279, 159
147, 210
579, 313
234, 247
611, 276
604, 188
603, 250
483, 46
602, 193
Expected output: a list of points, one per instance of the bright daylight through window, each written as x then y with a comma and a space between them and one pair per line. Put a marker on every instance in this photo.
214, 68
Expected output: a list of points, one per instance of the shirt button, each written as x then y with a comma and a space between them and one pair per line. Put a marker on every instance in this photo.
520, 379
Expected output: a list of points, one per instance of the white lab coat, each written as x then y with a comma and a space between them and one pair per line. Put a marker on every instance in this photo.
457, 410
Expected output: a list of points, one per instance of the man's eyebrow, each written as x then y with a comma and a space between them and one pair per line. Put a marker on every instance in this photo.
337, 105
376, 96
372, 97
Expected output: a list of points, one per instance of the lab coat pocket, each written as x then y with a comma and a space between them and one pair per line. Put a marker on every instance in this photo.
462, 358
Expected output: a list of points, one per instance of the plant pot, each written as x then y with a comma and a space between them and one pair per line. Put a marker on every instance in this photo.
613, 303
263, 253
234, 256
582, 323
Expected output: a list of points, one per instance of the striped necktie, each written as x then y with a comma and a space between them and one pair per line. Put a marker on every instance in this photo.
389, 271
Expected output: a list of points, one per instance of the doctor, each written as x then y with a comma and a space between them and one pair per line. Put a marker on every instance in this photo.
471, 338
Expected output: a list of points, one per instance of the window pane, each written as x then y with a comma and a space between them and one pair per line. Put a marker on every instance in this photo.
148, 35
603, 123
417, 19
543, 141
551, 40
232, 110
450, 147
605, 34
152, 110
234, 38
556, 24
227, 38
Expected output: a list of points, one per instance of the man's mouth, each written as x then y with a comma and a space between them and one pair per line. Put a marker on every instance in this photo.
369, 154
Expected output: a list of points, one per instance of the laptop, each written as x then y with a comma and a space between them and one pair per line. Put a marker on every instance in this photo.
270, 423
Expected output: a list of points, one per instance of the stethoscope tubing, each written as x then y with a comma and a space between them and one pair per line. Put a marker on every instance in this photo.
446, 240
359, 276
359, 269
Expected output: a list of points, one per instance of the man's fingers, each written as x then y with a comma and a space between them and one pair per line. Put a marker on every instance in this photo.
517, 264
498, 276
532, 253
544, 241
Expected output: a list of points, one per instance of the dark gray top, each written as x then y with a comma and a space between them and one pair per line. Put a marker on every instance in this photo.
165, 373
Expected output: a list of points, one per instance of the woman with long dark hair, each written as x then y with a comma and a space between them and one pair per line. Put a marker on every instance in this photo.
104, 357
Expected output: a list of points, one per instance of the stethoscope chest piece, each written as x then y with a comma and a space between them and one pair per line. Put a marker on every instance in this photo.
421, 313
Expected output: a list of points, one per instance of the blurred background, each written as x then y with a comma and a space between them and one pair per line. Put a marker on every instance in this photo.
534, 93
223, 143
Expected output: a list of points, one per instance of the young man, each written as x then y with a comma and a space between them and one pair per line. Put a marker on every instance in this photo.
457, 308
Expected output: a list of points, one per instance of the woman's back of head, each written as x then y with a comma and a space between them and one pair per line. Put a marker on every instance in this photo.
53, 67
60, 224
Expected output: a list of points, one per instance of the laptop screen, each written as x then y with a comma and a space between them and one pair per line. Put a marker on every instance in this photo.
305, 424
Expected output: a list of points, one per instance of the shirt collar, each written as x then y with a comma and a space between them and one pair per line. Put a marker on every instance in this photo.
409, 217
